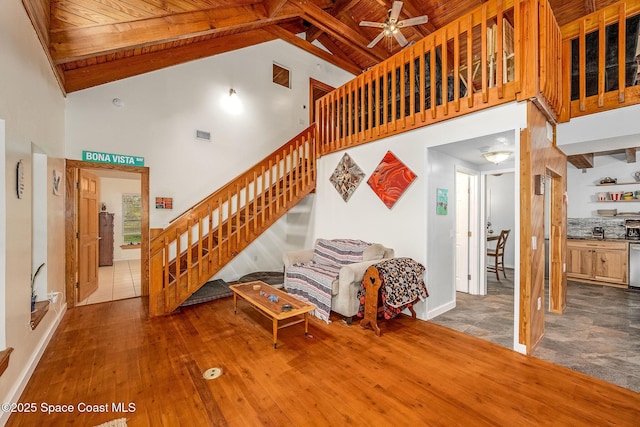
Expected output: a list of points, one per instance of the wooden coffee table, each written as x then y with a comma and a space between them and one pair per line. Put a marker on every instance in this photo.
270, 309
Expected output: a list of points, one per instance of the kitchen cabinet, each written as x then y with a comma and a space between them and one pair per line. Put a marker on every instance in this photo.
105, 246
595, 261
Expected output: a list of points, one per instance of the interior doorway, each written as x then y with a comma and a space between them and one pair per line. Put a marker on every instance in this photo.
317, 90
553, 226
467, 242
75, 261
119, 271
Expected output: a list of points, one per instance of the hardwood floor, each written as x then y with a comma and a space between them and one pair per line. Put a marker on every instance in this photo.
416, 373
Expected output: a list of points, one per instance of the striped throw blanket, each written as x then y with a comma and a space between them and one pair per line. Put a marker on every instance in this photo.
312, 282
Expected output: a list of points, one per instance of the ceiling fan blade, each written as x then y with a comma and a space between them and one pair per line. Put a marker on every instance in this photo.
413, 21
376, 40
402, 41
371, 24
395, 11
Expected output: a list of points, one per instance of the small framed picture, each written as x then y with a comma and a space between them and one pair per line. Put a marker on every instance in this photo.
442, 200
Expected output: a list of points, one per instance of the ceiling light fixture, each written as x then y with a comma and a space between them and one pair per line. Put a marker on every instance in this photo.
232, 102
497, 156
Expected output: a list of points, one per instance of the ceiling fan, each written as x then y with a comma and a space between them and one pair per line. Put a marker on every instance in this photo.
391, 26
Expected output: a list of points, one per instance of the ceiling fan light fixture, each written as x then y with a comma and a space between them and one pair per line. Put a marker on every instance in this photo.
392, 25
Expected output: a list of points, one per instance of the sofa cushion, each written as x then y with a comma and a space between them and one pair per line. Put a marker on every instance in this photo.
339, 251
373, 252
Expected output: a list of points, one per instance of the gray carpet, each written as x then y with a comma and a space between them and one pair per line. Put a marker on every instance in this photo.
273, 278
210, 291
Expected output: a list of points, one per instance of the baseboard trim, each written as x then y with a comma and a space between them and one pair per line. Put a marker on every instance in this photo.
24, 377
440, 310
520, 348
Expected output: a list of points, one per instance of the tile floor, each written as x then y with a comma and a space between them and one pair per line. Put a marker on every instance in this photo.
119, 281
598, 334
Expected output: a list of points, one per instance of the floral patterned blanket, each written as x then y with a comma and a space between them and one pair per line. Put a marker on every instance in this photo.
402, 286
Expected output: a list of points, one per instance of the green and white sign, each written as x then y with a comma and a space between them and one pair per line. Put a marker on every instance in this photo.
116, 159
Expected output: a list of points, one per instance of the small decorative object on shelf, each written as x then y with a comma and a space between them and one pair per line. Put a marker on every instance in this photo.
636, 176
608, 180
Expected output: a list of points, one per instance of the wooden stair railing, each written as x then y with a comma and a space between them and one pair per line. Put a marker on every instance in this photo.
198, 243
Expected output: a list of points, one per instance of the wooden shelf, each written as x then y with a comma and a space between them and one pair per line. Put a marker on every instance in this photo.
618, 183
4, 359
41, 309
136, 246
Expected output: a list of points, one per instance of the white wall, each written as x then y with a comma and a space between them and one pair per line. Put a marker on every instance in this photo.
412, 228
501, 197
32, 106
163, 109
583, 191
609, 130
111, 191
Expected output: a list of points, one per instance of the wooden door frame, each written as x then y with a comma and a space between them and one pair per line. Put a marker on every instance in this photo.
72, 169
316, 84
557, 245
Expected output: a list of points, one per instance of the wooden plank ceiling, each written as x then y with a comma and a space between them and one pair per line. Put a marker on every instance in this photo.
92, 42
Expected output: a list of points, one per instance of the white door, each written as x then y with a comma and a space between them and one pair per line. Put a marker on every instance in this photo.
462, 232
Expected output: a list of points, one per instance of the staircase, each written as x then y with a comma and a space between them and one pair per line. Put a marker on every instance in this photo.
201, 241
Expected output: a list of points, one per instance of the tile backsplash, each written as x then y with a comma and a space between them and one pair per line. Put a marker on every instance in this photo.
614, 228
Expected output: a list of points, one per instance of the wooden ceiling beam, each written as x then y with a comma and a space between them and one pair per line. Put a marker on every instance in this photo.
334, 49
105, 72
339, 30
80, 43
314, 50
581, 161
313, 33
273, 6
339, 8
630, 154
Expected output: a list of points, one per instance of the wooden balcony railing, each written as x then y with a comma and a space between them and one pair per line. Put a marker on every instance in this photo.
549, 72
197, 244
470, 64
601, 55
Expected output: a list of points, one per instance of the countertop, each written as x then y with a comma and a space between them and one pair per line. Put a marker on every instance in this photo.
606, 239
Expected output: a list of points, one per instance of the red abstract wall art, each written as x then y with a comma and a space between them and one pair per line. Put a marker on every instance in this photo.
390, 179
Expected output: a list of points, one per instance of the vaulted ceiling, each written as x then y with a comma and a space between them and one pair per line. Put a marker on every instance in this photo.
92, 42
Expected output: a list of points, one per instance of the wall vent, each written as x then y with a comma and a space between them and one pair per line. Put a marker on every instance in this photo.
203, 135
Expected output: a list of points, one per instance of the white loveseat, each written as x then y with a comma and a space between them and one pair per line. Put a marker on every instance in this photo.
331, 273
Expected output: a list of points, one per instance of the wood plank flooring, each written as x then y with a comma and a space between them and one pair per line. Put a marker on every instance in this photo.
416, 373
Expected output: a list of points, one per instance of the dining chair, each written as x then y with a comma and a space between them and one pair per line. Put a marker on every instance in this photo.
497, 254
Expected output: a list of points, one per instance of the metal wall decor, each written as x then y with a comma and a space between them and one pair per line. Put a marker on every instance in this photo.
346, 177
390, 179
